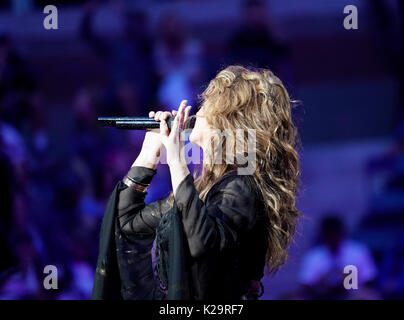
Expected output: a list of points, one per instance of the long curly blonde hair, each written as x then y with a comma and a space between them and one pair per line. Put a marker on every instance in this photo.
244, 98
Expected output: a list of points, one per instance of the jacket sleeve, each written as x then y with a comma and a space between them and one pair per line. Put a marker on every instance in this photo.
218, 223
135, 217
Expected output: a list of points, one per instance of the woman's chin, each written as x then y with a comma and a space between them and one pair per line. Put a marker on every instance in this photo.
194, 141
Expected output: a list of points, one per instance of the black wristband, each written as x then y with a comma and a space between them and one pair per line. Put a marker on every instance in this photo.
141, 175
137, 182
134, 185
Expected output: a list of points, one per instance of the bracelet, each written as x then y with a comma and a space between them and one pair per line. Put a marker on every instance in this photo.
141, 187
134, 181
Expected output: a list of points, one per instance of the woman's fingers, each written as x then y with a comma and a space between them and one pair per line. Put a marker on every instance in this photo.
164, 128
177, 120
166, 115
157, 115
174, 124
181, 116
181, 112
186, 117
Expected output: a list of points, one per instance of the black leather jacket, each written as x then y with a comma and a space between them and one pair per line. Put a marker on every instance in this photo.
226, 236
224, 240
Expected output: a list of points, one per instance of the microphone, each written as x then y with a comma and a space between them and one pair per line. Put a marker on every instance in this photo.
140, 123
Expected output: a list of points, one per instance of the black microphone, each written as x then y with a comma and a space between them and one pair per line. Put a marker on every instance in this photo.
140, 123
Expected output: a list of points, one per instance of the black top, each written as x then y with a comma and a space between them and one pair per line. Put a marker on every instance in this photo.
225, 238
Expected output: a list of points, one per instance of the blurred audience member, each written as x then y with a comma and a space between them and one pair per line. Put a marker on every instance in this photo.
391, 279
13, 144
256, 41
24, 281
127, 56
322, 272
387, 19
16, 84
177, 58
80, 269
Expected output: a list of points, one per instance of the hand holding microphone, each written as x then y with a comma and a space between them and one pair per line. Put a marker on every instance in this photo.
152, 143
141, 123
157, 126
174, 143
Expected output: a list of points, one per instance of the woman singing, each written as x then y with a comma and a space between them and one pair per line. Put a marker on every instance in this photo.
215, 234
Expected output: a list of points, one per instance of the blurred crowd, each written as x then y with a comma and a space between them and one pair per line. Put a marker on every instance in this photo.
53, 191
53, 195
